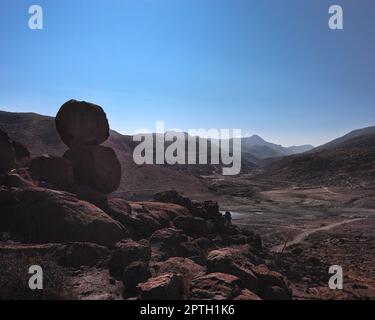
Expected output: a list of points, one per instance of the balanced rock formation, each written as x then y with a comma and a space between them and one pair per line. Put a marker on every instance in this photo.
95, 166
82, 123
83, 126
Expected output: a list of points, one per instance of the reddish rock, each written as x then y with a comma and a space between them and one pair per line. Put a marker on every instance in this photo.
42, 215
191, 225
246, 294
231, 261
126, 252
135, 273
187, 268
84, 254
168, 236
55, 170
95, 166
216, 286
135, 217
81, 123
270, 278
168, 286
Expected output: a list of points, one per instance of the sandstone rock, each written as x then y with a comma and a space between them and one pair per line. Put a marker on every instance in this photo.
42, 215
80, 123
168, 236
126, 252
204, 243
190, 249
187, 268
55, 170
191, 225
268, 278
95, 166
172, 196
84, 254
8, 156
95, 284
231, 261
164, 287
216, 286
246, 294
135, 273
135, 217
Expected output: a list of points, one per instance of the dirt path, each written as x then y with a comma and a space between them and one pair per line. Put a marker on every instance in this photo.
302, 236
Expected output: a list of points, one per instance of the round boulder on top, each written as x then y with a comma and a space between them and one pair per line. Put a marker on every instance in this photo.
96, 167
81, 123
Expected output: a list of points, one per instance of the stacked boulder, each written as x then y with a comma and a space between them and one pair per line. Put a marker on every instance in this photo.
83, 127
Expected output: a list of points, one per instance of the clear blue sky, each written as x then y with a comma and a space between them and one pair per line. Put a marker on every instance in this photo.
268, 67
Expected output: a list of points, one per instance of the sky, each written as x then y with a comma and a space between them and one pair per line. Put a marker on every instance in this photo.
272, 68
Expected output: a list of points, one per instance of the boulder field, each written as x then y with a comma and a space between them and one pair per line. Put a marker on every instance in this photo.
59, 208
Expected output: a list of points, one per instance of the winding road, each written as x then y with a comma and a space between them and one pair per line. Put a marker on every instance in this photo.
302, 236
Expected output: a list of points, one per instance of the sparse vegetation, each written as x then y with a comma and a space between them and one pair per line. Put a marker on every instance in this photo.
14, 278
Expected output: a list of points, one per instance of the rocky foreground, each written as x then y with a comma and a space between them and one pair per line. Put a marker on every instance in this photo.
56, 212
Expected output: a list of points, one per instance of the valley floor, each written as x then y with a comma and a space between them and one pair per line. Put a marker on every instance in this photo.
310, 229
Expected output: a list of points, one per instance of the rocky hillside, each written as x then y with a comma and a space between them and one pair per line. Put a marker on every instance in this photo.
39, 134
55, 213
347, 161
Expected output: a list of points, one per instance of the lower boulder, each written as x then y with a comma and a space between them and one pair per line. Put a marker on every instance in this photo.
95, 166
42, 215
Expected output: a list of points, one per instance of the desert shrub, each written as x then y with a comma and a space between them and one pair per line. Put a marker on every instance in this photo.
14, 279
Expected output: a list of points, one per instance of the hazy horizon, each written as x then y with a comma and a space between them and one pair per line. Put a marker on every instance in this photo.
269, 68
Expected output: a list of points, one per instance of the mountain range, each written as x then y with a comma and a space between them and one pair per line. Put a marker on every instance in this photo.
346, 160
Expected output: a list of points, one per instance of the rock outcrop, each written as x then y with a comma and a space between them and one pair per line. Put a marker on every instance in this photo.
42, 215
83, 126
95, 166
81, 123
169, 248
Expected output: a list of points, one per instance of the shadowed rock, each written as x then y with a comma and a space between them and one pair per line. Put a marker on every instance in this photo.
7, 153
95, 166
168, 286
81, 123
42, 215
55, 170
216, 286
